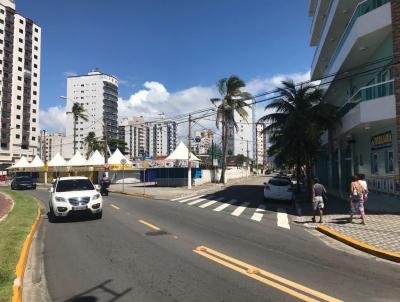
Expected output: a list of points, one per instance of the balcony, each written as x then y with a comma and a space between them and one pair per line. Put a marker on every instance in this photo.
367, 28
369, 104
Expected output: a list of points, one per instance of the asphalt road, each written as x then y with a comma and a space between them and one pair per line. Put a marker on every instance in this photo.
123, 257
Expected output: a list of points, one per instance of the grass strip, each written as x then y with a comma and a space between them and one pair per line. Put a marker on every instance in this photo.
13, 232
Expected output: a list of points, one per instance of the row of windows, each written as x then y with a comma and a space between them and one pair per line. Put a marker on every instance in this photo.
6, 44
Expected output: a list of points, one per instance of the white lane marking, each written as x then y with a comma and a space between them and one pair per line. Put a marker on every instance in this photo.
183, 197
196, 201
259, 213
187, 199
283, 220
211, 202
239, 210
225, 205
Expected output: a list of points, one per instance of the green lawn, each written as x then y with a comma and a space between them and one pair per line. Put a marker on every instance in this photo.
13, 231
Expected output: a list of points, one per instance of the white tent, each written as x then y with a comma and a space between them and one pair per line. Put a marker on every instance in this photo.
96, 159
36, 163
57, 161
115, 158
21, 163
77, 160
182, 153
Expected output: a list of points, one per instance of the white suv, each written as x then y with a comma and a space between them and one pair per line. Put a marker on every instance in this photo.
74, 194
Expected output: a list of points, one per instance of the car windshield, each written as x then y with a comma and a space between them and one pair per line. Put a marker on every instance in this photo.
280, 182
74, 185
19, 178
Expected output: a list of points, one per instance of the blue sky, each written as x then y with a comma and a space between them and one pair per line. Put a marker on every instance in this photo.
178, 44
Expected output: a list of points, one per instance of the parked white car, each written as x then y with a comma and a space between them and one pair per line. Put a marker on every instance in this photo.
74, 194
278, 188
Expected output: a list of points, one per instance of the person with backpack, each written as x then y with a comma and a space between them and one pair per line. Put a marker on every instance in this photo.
318, 199
104, 185
357, 194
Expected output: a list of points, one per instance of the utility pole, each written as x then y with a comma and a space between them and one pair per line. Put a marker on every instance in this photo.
105, 135
189, 153
256, 151
248, 157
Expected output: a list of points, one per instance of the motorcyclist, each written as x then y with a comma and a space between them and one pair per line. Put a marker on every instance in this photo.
104, 183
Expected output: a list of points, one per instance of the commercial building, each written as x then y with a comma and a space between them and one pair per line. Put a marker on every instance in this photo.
49, 145
20, 40
241, 140
148, 139
357, 48
98, 94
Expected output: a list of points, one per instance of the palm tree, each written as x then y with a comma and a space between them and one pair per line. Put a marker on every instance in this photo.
296, 122
233, 100
78, 112
92, 143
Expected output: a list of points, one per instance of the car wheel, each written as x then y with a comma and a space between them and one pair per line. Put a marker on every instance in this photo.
98, 215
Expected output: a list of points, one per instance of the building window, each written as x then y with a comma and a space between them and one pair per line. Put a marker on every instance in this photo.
36, 30
33, 138
374, 163
18, 107
19, 78
33, 129
33, 110
21, 21
19, 68
18, 126
34, 102
33, 120
389, 161
21, 31
20, 59
36, 48
20, 49
21, 40
17, 136
18, 117
35, 56
19, 88
19, 97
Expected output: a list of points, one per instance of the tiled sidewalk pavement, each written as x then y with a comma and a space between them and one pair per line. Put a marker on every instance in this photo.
5, 205
381, 230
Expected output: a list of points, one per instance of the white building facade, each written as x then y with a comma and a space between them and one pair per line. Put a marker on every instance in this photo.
357, 44
260, 144
49, 145
147, 139
20, 46
98, 94
201, 142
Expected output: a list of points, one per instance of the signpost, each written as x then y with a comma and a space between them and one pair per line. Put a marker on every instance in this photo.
123, 162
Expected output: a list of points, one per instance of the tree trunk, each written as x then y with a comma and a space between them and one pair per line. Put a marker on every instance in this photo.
309, 180
298, 175
75, 120
224, 151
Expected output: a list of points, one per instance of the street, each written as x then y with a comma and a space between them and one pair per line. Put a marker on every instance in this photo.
124, 257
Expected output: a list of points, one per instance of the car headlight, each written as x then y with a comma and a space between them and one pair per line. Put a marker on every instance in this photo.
96, 196
60, 199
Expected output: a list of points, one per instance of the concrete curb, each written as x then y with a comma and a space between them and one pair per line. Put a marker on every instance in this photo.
360, 245
23, 257
133, 194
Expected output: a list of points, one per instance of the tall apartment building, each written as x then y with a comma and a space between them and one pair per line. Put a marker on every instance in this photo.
50, 144
20, 40
201, 142
357, 49
98, 94
148, 139
241, 141
260, 144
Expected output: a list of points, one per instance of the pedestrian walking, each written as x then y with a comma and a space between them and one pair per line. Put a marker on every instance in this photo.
363, 183
357, 193
318, 199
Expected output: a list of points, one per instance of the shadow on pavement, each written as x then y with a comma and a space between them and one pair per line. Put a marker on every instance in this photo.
87, 296
77, 217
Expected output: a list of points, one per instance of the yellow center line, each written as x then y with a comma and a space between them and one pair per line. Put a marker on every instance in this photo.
152, 226
254, 272
115, 207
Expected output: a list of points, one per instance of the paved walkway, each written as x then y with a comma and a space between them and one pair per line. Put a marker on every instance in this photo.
5, 206
382, 230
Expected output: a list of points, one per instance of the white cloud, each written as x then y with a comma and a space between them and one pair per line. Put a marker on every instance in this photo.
53, 119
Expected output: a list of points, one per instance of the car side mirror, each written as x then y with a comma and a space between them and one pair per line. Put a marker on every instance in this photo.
97, 187
51, 190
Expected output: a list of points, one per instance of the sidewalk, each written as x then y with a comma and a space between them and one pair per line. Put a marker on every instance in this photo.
381, 232
152, 191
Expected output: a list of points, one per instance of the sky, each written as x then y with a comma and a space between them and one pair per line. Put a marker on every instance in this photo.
168, 55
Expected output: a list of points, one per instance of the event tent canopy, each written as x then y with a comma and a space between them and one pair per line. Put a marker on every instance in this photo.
182, 153
96, 159
57, 161
77, 160
116, 157
21, 163
36, 162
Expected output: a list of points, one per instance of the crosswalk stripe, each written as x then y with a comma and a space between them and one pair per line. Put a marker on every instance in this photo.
183, 197
225, 205
196, 201
187, 199
239, 210
211, 202
282, 219
259, 213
